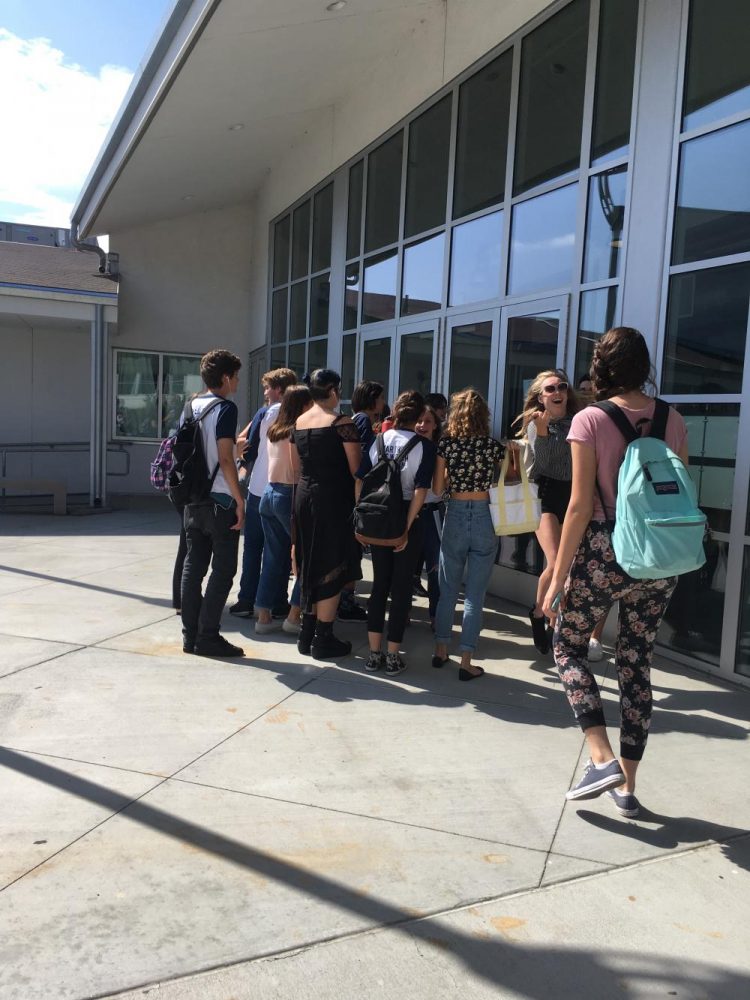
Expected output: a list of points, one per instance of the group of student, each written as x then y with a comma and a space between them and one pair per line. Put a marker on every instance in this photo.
308, 463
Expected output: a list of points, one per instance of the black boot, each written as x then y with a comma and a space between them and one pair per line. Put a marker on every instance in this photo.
325, 645
306, 633
539, 632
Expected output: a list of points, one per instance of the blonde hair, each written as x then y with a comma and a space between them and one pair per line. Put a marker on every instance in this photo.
533, 404
469, 415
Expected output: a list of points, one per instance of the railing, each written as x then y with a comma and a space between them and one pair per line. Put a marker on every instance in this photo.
54, 448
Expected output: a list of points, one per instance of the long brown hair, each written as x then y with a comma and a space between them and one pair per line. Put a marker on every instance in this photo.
294, 402
469, 415
533, 404
621, 363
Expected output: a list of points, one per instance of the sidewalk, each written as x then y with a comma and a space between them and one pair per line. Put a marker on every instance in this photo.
274, 827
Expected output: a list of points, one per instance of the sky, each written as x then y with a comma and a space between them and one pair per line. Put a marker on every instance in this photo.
65, 67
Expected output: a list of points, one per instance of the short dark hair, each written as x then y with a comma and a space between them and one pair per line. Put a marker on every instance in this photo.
408, 408
436, 400
621, 362
365, 395
322, 381
216, 364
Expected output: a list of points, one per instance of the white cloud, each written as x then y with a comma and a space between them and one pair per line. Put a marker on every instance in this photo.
55, 118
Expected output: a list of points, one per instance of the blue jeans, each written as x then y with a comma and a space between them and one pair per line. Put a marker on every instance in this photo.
252, 552
469, 543
276, 518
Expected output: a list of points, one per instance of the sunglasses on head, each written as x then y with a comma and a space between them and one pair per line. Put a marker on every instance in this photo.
560, 387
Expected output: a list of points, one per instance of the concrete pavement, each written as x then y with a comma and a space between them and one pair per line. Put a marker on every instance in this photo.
275, 827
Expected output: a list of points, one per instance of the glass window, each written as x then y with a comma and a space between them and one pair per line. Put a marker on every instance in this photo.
423, 276
717, 80
351, 296
348, 370
379, 295
281, 251
278, 357
137, 413
384, 193
713, 196
317, 354
712, 447
475, 260
482, 143
278, 316
604, 224
470, 357
532, 347
542, 241
550, 105
415, 370
742, 658
322, 222
298, 311
297, 359
615, 66
354, 213
376, 360
301, 241
596, 316
181, 378
693, 619
427, 173
320, 294
706, 331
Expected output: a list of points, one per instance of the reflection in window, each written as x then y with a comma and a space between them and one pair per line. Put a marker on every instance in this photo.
427, 173
706, 331
354, 216
475, 260
384, 193
181, 379
351, 296
742, 659
542, 241
376, 360
693, 619
320, 294
137, 395
379, 295
322, 222
301, 241
615, 65
482, 143
297, 359
278, 316
348, 370
712, 446
415, 370
713, 196
532, 347
298, 312
281, 251
596, 316
717, 82
317, 354
520, 552
604, 224
470, 357
278, 357
423, 276
550, 104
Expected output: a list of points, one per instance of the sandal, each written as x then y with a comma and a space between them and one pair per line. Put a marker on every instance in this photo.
467, 675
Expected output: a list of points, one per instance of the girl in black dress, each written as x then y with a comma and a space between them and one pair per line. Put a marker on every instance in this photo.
326, 551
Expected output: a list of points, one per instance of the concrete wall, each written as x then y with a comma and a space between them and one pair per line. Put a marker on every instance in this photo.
185, 286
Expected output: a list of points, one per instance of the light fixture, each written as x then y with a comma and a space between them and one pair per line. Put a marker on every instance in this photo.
237, 127
337, 5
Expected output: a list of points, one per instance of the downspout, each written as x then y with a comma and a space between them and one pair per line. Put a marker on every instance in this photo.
97, 446
87, 247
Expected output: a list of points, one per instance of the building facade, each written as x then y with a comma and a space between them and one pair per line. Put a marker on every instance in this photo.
482, 197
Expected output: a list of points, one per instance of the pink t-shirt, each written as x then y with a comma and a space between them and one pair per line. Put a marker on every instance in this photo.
593, 427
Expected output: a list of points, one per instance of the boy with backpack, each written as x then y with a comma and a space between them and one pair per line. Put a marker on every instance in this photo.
204, 477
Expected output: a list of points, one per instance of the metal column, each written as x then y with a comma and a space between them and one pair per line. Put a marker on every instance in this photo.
98, 421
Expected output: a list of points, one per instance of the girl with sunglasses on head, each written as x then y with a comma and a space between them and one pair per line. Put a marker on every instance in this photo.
545, 421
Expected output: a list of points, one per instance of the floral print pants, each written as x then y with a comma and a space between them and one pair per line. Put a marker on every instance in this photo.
596, 581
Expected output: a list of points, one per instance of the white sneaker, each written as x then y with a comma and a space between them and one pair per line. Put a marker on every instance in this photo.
291, 628
596, 652
262, 628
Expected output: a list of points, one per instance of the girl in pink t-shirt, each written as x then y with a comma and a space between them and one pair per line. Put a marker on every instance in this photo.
587, 579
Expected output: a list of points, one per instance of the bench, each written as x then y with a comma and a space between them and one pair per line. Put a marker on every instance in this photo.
55, 487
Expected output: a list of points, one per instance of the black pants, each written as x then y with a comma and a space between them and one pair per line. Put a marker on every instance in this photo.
393, 574
179, 561
208, 531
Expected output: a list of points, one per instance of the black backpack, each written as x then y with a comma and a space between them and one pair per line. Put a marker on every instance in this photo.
189, 480
380, 514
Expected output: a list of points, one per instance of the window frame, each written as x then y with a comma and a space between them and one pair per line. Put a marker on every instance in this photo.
162, 432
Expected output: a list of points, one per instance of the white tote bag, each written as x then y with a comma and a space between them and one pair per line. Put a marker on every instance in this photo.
515, 507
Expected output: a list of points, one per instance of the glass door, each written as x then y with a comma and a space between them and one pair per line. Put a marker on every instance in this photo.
532, 338
470, 347
376, 358
417, 355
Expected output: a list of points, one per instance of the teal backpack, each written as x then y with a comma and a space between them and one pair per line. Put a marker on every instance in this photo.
659, 528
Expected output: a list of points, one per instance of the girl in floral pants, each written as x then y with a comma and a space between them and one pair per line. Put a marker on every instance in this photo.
596, 582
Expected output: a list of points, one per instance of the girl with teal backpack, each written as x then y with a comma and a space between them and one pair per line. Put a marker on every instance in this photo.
632, 525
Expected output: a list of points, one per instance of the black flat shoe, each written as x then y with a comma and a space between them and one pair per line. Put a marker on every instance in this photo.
438, 661
467, 675
539, 632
